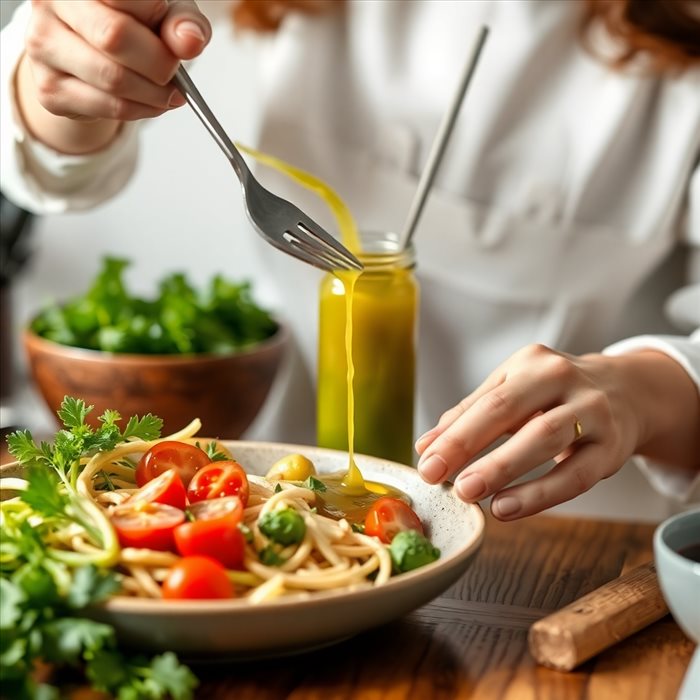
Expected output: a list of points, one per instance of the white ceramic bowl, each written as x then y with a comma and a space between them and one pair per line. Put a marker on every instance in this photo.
235, 628
679, 578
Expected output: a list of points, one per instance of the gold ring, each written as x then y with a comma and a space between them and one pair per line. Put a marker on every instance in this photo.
578, 429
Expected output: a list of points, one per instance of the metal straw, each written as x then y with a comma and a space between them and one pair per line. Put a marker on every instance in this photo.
441, 138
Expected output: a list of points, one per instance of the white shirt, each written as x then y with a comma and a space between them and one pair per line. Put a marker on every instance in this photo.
563, 189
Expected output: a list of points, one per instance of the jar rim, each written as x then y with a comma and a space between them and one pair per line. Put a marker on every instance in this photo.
381, 249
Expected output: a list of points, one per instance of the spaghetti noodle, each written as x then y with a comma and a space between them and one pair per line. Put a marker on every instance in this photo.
331, 555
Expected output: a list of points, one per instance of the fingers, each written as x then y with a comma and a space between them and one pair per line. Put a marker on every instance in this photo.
76, 58
451, 415
93, 59
492, 415
576, 474
121, 38
184, 29
69, 97
539, 440
551, 406
148, 12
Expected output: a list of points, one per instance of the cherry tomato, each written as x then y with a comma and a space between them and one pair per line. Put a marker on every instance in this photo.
165, 488
388, 516
219, 479
197, 578
170, 454
214, 532
230, 506
146, 525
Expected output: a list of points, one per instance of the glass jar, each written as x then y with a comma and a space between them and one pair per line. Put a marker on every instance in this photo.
384, 318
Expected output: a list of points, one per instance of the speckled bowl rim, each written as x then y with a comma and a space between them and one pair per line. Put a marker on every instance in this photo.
462, 554
457, 560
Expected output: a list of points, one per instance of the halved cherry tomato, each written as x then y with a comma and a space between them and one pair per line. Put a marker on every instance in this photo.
227, 507
165, 488
219, 479
197, 578
146, 525
388, 516
171, 454
214, 532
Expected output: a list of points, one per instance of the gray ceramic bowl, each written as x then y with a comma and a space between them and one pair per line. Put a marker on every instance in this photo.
237, 629
679, 578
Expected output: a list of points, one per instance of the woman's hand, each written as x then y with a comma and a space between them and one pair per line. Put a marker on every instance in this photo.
589, 414
102, 62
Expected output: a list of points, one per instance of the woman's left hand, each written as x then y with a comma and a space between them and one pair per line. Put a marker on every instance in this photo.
589, 414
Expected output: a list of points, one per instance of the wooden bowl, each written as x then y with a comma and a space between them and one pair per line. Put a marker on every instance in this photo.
224, 391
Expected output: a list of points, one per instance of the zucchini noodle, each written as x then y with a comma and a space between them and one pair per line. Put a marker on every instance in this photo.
329, 556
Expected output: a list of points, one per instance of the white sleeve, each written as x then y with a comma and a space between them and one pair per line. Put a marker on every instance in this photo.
681, 485
38, 178
678, 484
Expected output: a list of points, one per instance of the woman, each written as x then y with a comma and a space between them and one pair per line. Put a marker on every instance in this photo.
567, 183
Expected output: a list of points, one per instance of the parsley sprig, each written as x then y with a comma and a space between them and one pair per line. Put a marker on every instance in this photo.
78, 439
60, 463
44, 587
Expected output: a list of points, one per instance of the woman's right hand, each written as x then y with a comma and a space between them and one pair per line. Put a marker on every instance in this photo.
104, 60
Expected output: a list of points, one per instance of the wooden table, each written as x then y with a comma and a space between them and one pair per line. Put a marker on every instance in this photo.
472, 641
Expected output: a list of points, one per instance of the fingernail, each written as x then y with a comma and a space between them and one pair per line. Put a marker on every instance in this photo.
424, 437
471, 487
186, 29
433, 468
176, 99
506, 506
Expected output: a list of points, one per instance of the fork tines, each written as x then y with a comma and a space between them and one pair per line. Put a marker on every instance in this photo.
318, 248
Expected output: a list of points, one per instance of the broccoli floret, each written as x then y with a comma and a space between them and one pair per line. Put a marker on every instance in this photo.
410, 550
283, 526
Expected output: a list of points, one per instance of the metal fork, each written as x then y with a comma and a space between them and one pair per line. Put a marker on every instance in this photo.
278, 221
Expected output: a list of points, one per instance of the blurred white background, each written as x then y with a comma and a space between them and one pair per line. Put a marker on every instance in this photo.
183, 211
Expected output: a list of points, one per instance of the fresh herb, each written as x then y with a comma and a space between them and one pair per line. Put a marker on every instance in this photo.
314, 484
410, 550
43, 587
358, 527
220, 319
39, 622
213, 452
107, 483
270, 557
284, 526
278, 487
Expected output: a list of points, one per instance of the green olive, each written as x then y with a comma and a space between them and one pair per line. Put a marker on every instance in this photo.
294, 467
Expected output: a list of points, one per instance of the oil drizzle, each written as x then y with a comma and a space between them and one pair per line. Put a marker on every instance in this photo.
347, 493
353, 481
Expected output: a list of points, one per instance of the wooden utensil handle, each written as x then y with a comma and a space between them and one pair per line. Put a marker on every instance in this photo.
603, 617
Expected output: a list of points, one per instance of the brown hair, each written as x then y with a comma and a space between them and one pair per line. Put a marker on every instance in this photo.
667, 31
267, 15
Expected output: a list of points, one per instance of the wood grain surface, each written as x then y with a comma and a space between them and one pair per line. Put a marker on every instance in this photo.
472, 641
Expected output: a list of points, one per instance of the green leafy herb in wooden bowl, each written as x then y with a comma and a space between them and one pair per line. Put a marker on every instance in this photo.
220, 319
213, 352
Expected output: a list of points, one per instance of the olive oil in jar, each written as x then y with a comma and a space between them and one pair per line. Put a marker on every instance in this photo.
384, 318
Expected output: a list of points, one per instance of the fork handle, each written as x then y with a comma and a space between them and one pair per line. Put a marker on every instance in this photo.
184, 84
